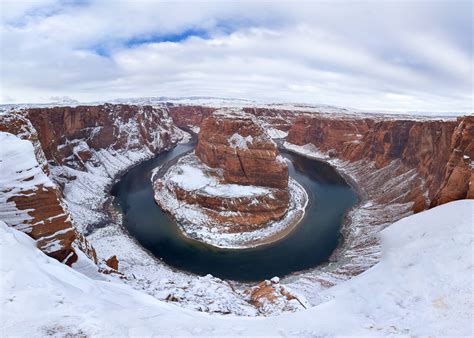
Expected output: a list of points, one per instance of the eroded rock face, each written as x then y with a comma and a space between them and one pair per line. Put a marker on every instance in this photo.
118, 127
458, 180
235, 183
240, 147
30, 201
439, 151
189, 116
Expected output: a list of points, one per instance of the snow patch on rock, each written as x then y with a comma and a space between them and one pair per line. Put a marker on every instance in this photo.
239, 142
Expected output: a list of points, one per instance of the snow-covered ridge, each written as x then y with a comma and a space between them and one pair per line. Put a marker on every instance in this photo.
422, 286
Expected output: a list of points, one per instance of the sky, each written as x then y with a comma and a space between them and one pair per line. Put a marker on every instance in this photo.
375, 55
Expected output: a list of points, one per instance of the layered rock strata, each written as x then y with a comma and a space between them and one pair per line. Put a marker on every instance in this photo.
29, 200
440, 151
235, 189
242, 149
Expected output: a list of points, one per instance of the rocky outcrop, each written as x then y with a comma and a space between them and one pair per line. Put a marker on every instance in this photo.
270, 297
29, 199
458, 179
241, 148
112, 262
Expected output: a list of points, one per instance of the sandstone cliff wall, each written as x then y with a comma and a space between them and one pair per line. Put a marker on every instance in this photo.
116, 127
29, 199
242, 150
440, 151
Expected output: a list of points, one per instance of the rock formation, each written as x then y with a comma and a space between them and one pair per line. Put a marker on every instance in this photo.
458, 179
440, 150
270, 297
64, 130
244, 152
236, 182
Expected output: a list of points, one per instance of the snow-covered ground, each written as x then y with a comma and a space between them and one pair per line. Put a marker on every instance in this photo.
192, 175
423, 285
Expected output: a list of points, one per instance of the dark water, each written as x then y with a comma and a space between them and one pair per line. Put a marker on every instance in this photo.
309, 245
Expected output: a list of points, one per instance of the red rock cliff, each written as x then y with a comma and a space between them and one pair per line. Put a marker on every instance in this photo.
238, 146
438, 150
118, 127
30, 201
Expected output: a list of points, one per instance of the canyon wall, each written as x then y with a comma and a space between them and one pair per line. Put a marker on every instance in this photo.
77, 151
68, 135
440, 151
189, 116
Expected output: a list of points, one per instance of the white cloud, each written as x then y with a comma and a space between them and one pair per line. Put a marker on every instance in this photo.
393, 56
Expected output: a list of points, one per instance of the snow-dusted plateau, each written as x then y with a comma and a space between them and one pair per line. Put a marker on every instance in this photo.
71, 265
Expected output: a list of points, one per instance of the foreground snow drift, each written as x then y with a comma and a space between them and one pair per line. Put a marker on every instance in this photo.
423, 285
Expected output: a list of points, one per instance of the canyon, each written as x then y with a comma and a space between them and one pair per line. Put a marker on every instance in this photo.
67, 158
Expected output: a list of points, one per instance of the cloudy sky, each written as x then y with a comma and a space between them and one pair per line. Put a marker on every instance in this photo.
396, 55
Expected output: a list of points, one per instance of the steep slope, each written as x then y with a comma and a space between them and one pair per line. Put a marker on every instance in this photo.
423, 145
88, 146
423, 286
32, 203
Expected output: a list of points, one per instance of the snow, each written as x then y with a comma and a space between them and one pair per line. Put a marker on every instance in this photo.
20, 172
190, 176
237, 141
422, 286
309, 150
276, 133
18, 160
